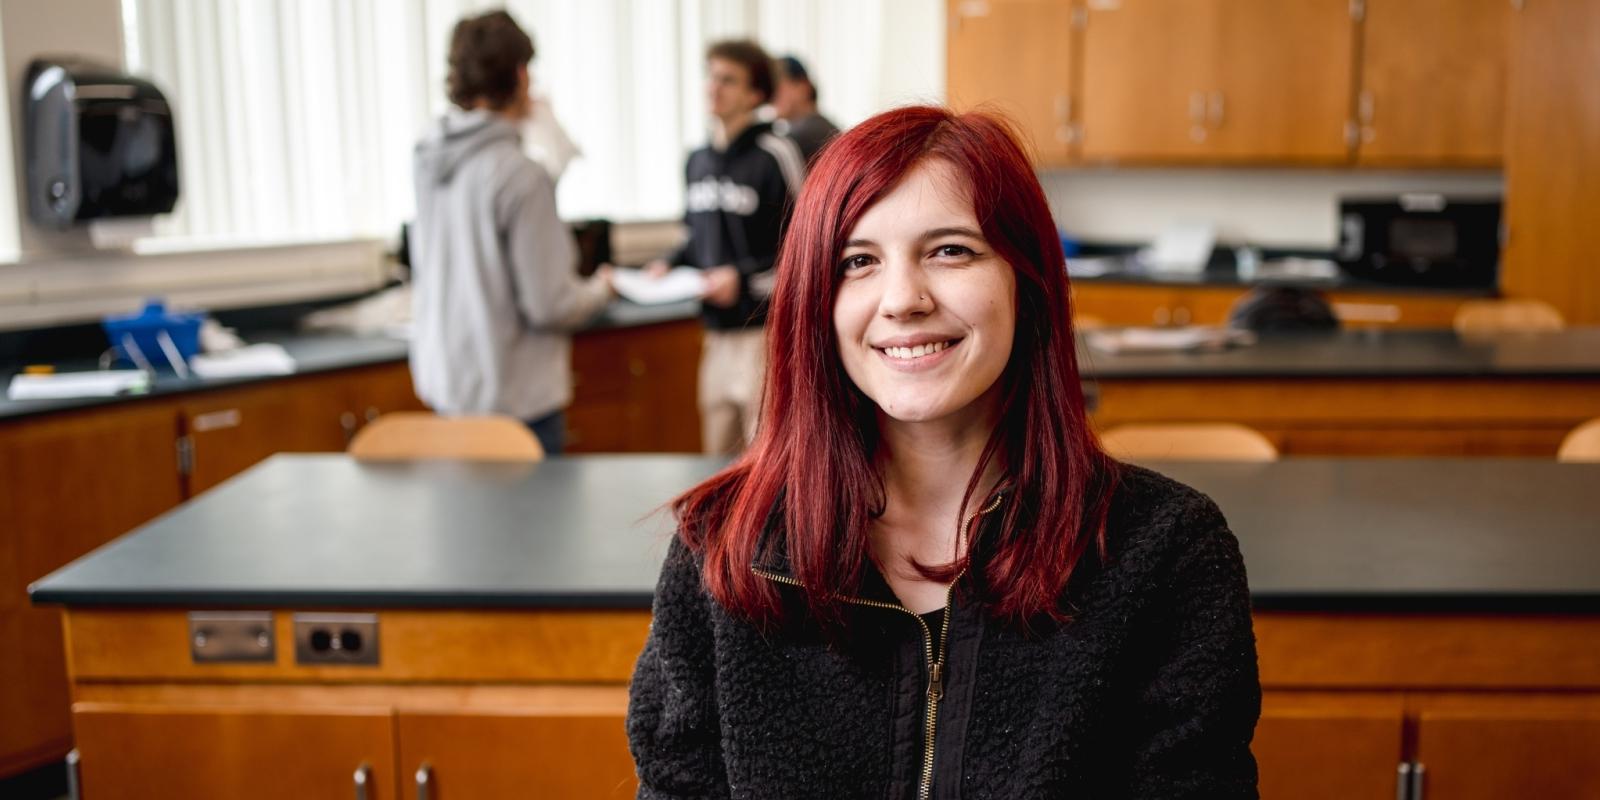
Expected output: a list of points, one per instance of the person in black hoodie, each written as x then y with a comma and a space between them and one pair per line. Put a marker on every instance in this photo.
737, 200
925, 578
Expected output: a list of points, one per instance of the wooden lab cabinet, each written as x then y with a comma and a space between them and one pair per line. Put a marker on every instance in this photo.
77, 479
226, 432
1155, 304
73, 481
461, 704
635, 389
1016, 55
1467, 705
1240, 81
138, 752
1433, 82
518, 754
1217, 81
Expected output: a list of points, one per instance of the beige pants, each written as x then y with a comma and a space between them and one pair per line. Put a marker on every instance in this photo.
732, 366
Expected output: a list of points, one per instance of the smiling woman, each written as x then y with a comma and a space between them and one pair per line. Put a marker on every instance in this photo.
925, 578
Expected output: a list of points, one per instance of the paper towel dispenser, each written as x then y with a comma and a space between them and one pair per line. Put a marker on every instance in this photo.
98, 144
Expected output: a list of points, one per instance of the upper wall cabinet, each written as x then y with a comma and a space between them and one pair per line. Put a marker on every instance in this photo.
1016, 55
1217, 80
1433, 78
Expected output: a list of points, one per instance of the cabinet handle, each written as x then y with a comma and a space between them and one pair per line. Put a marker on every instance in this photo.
1181, 316
1163, 315
74, 787
1216, 110
372, 413
1364, 107
1418, 771
363, 780
1197, 107
347, 421
424, 781
1402, 781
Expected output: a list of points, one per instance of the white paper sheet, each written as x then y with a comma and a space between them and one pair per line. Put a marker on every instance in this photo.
680, 283
56, 386
257, 359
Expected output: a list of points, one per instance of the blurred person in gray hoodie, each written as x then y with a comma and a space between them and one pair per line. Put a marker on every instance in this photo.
495, 293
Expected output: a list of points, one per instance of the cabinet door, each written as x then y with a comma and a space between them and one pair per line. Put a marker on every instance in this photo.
1438, 98
136, 753
1148, 66
231, 430
73, 481
1017, 56
635, 389
1283, 87
1499, 753
371, 392
1551, 159
556, 755
1335, 748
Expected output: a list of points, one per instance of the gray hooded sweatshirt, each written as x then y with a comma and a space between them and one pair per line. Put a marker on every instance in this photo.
494, 292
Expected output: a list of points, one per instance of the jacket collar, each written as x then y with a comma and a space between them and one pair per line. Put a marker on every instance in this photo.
772, 551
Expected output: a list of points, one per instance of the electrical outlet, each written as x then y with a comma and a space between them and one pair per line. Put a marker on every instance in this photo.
336, 639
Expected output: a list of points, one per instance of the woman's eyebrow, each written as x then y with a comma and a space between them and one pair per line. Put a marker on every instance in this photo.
954, 230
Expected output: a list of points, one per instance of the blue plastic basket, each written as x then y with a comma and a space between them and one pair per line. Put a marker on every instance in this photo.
145, 339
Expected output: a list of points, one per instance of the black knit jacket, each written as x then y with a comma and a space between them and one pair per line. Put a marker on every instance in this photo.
1150, 691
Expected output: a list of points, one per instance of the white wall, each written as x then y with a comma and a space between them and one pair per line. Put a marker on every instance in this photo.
1276, 207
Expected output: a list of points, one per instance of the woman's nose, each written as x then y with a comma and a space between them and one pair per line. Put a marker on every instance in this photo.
905, 290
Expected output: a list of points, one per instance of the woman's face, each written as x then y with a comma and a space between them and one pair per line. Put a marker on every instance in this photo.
926, 310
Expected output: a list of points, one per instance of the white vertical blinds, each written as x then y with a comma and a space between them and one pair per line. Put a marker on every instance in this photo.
297, 117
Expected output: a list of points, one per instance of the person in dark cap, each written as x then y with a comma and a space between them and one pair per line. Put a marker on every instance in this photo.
796, 103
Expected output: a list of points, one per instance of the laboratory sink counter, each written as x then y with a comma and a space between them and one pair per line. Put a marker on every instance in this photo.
1406, 612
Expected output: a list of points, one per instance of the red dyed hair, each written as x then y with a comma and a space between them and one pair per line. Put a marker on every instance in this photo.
810, 470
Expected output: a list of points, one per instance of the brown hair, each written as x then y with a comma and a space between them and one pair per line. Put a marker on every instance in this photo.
485, 53
749, 55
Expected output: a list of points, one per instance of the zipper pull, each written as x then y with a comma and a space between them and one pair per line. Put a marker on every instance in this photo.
936, 681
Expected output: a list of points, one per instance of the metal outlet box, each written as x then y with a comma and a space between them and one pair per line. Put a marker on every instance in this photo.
321, 638
229, 637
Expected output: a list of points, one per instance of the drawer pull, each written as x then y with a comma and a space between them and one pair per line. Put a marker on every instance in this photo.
363, 779
424, 781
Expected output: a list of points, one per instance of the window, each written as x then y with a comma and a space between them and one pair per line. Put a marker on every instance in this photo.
297, 117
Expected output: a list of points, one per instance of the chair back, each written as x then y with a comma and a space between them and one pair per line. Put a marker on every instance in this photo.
1582, 444
413, 435
1206, 441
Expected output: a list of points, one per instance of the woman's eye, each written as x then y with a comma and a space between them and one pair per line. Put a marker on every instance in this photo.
855, 262
952, 251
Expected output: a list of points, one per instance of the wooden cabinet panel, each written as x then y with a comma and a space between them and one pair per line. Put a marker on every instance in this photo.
1217, 80
35, 726
231, 430
560, 754
1017, 56
1282, 91
136, 752
1434, 99
75, 481
635, 389
1499, 753
1328, 746
1553, 122
1147, 68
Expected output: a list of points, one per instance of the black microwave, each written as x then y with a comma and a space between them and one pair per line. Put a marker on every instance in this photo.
1421, 240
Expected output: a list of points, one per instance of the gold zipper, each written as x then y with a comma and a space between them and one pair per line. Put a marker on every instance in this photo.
935, 667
